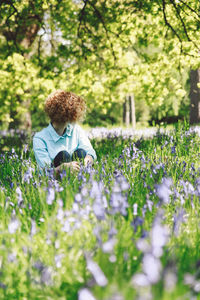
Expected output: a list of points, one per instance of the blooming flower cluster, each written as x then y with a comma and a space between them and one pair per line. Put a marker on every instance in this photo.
125, 228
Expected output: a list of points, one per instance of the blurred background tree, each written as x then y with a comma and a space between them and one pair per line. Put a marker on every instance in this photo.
104, 51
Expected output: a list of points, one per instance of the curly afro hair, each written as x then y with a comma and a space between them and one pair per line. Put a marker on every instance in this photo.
63, 107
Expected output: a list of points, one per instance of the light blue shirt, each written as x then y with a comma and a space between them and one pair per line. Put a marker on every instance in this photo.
47, 143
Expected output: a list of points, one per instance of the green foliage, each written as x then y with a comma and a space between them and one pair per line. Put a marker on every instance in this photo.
21, 85
102, 51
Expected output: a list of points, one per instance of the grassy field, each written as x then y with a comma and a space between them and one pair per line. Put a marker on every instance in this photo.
127, 228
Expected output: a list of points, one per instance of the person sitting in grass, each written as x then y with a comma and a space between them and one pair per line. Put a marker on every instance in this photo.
63, 143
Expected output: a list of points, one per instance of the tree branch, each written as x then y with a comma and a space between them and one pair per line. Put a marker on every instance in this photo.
105, 28
82, 13
169, 25
183, 24
190, 8
189, 14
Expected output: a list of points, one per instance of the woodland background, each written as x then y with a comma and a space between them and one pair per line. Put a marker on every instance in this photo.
134, 62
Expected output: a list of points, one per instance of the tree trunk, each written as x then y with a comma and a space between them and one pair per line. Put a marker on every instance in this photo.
124, 112
127, 119
129, 111
194, 97
132, 111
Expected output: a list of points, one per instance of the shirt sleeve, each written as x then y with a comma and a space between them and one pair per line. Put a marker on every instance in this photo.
84, 143
41, 154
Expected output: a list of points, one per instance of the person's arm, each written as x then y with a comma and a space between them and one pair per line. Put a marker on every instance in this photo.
44, 161
41, 153
84, 143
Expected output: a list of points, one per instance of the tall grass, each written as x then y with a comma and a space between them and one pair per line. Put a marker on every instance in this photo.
126, 228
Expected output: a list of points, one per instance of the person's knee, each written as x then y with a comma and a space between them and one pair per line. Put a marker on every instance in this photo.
79, 154
61, 157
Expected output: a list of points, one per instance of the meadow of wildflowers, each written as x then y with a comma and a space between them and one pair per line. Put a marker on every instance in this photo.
126, 228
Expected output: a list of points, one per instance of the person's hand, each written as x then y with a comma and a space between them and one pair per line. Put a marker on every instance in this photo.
88, 160
74, 166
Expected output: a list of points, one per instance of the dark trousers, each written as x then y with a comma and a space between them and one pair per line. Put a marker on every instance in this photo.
64, 156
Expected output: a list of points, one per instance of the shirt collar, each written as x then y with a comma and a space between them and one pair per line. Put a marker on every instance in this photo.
56, 136
68, 130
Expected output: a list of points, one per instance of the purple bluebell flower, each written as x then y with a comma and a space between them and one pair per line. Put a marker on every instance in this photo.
144, 209
19, 196
66, 227
84, 191
197, 184
152, 268
112, 231
116, 173
75, 208
187, 187
119, 203
99, 210
173, 149
12, 257
135, 207
97, 232
28, 174
13, 225
85, 294
112, 258
58, 258
189, 279
46, 276
50, 196
108, 246
163, 190
25, 149
78, 198
149, 205
3, 286
137, 221
159, 237
144, 234
170, 279
140, 280
57, 244
60, 214
165, 144
96, 190
33, 228
97, 273
38, 265
178, 220
143, 245
42, 220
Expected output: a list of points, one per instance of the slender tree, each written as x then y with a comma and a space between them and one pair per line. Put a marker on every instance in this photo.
194, 96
